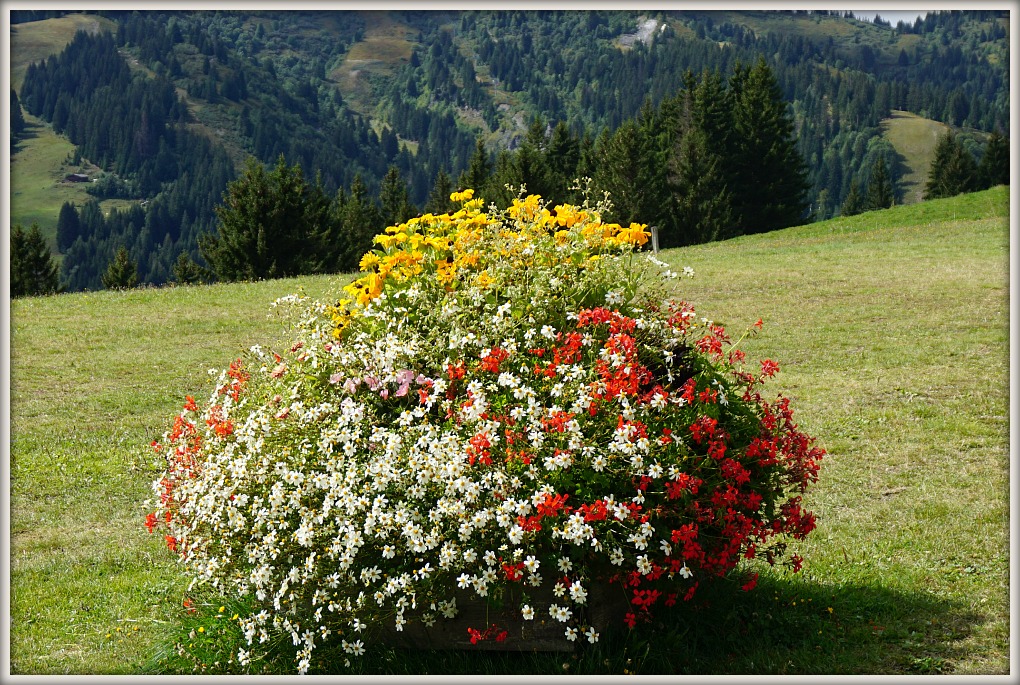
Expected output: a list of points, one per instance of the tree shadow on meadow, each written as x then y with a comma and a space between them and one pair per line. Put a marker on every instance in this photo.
29, 132
784, 626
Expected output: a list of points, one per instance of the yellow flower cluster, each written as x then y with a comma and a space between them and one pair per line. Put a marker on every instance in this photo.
470, 247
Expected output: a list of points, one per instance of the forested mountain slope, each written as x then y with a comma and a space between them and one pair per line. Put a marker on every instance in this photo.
169, 104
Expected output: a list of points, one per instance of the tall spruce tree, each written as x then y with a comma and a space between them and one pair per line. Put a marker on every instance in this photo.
33, 271
561, 159
439, 199
268, 225
357, 220
68, 226
394, 202
880, 189
186, 271
531, 167
479, 169
620, 171
994, 167
17, 118
952, 169
853, 203
122, 272
771, 187
702, 200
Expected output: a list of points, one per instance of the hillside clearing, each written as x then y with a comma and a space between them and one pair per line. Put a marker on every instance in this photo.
38, 189
913, 137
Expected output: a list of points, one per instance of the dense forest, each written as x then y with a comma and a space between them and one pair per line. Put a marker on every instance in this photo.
707, 124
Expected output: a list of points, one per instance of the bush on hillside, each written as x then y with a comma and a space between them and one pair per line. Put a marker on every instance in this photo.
504, 400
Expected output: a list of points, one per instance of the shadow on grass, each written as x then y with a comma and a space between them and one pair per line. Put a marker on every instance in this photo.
787, 625
782, 627
29, 132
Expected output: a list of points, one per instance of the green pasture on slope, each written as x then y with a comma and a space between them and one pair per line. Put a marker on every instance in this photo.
891, 330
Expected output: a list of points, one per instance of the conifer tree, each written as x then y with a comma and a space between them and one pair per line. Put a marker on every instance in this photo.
531, 166
952, 170
880, 189
561, 159
359, 221
439, 198
994, 167
772, 180
268, 225
853, 203
122, 273
17, 118
33, 271
68, 226
479, 169
395, 205
703, 202
620, 171
186, 271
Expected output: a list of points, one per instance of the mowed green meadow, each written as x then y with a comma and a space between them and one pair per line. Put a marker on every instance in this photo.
891, 329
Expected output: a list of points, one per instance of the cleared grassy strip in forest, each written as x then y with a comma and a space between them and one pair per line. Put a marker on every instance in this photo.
891, 330
914, 138
38, 189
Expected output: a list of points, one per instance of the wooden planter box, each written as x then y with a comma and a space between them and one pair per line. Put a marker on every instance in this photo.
605, 608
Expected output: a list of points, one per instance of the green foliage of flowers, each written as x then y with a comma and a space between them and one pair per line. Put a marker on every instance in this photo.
502, 400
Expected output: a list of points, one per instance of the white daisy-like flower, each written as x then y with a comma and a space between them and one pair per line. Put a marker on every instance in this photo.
561, 614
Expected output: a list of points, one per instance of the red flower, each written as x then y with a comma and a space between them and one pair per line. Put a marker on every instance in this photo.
749, 585
768, 368
492, 360
150, 522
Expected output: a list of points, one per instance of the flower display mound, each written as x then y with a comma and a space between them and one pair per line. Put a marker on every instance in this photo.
506, 405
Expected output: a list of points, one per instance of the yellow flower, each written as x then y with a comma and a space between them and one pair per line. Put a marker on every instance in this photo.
568, 215
524, 209
462, 196
441, 243
369, 261
635, 234
468, 260
444, 272
484, 280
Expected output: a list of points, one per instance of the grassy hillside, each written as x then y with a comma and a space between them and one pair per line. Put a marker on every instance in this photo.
38, 189
891, 329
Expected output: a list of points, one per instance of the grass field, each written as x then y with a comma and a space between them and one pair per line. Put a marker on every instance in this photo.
892, 332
